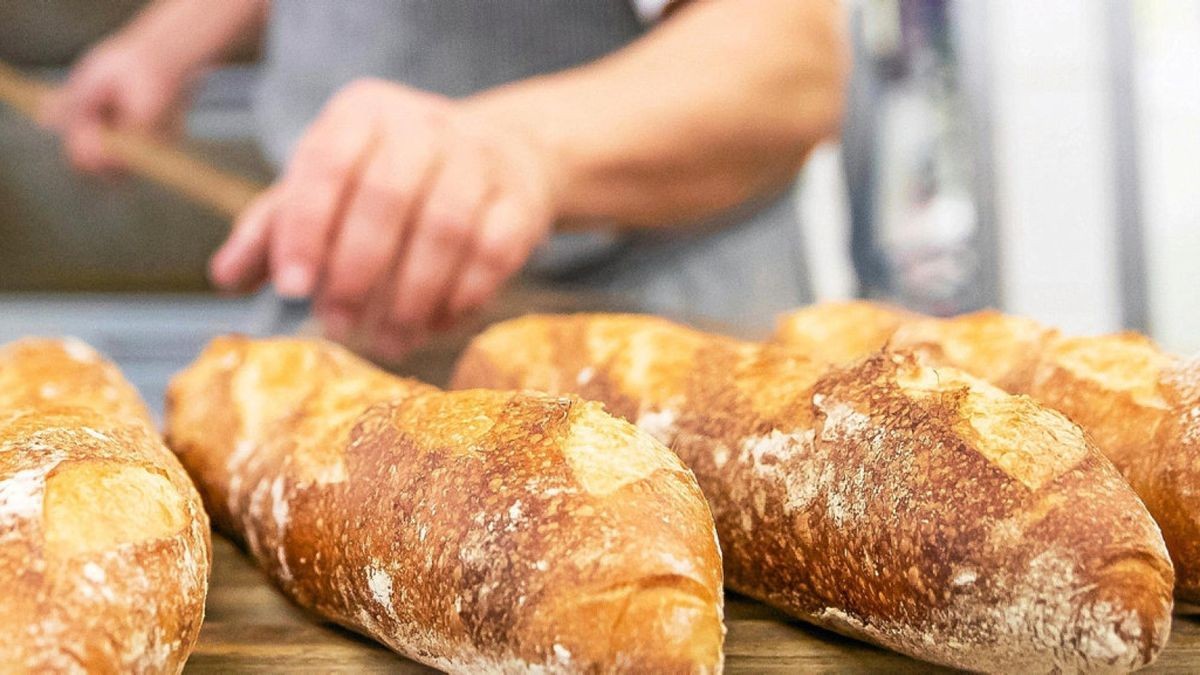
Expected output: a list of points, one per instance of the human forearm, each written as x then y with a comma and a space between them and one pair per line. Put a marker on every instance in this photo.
402, 211
187, 35
718, 105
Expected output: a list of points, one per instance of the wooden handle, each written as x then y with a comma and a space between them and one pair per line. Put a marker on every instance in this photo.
22, 93
147, 157
174, 168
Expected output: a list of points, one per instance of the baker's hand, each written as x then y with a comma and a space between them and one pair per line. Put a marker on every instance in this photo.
400, 212
123, 84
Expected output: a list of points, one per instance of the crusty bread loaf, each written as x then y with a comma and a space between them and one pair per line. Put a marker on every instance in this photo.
917, 508
104, 544
1140, 405
1004, 350
476, 531
841, 332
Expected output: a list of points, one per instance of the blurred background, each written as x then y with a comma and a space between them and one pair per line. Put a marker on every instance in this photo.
1040, 157
1035, 156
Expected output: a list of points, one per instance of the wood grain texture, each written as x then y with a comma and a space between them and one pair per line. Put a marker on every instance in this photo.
251, 628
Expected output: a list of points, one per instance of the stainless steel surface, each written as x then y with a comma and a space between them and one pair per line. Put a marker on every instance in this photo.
153, 336
150, 336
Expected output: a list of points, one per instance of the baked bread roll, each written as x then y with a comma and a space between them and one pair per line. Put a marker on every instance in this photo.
1140, 405
104, 544
476, 531
917, 508
841, 332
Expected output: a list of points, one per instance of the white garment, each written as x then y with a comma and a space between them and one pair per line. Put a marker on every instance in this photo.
650, 10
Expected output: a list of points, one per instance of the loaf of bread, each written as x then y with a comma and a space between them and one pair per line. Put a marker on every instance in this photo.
476, 531
1002, 349
917, 508
104, 544
841, 332
1140, 405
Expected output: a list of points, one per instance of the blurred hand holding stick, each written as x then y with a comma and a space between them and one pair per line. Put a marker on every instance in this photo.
150, 158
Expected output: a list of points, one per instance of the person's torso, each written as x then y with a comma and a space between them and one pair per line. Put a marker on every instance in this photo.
452, 47
459, 47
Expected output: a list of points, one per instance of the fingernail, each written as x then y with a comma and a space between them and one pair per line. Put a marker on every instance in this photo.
294, 281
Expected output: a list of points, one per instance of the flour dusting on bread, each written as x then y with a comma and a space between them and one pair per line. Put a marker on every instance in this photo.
912, 505
97, 519
479, 530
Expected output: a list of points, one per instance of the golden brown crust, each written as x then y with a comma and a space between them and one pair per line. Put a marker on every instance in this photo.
472, 531
101, 532
1130, 396
878, 500
1168, 486
999, 348
65, 373
841, 332
1138, 403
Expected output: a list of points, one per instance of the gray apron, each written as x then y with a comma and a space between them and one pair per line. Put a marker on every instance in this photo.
744, 267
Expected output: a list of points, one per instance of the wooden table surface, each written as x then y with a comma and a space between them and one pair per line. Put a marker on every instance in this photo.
250, 627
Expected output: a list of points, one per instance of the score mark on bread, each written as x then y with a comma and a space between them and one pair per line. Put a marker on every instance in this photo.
606, 454
915, 507
98, 521
1030, 443
475, 530
95, 505
1120, 363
